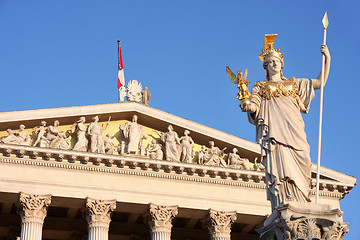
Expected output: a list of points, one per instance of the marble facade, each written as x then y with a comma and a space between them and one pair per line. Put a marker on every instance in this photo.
55, 193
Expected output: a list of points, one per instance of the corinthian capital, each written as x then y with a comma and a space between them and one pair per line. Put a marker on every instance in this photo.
33, 207
219, 223
160, 217
98, 212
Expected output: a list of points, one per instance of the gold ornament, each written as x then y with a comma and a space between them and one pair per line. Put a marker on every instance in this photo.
272, 89
242, 85
268, 51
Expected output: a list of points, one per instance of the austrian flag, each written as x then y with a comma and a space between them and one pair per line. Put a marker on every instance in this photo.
121, 77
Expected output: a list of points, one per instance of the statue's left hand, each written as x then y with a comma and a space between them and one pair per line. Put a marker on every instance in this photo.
325, 50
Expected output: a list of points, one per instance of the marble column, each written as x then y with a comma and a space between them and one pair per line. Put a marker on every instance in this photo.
160, 219
98, 217
32, 211
219, 224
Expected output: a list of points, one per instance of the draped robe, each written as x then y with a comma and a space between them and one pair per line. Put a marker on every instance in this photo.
280, 130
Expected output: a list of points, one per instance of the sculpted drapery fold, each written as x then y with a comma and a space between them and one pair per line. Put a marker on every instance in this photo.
280, 130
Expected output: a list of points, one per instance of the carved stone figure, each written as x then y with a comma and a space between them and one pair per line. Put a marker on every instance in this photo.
134, 90
134, 134
146, 95
11, 138
24, 136
154, 151
95, 131
41, 140
275, 108
122, 94
79, 128
258, 166
55, 138
201, 158
21, 137
109, 145
214, 156
186, 144
235, 161
172, 144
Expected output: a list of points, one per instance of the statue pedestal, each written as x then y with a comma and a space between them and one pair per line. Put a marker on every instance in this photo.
297, 220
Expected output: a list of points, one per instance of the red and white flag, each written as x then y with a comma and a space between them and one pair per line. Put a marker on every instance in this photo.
121, 77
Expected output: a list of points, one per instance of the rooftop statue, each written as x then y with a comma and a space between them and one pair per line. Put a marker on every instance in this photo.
274, 107
146, 95
122, 93
134, 91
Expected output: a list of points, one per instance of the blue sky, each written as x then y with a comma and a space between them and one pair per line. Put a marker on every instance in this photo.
64, 53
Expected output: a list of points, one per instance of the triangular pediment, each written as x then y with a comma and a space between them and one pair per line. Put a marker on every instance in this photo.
153, 122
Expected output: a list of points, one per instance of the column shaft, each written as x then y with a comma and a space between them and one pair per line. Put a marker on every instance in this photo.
160, 235
31, 231
96, 233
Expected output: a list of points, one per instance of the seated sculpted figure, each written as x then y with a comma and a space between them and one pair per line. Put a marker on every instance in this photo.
153, 151
235, 161
214, 156
109, 145
55, 138
21, 137
11, 138
24, 136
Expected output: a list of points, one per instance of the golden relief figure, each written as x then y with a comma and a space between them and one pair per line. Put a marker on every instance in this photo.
242, 85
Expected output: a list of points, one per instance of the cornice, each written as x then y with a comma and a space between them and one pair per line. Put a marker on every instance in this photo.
144, 167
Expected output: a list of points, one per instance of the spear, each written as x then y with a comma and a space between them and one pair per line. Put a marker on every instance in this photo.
325, 22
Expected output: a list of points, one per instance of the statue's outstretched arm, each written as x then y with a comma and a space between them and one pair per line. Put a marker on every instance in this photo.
317, 82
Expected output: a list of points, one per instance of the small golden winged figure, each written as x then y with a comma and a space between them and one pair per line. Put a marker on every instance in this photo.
242, 85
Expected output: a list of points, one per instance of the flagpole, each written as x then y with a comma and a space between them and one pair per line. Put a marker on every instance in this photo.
119, 43
325, 24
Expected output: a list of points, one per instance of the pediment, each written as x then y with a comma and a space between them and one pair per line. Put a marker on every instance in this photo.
151, 120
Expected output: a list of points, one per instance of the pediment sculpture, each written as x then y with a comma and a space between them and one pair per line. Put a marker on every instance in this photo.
130, 139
